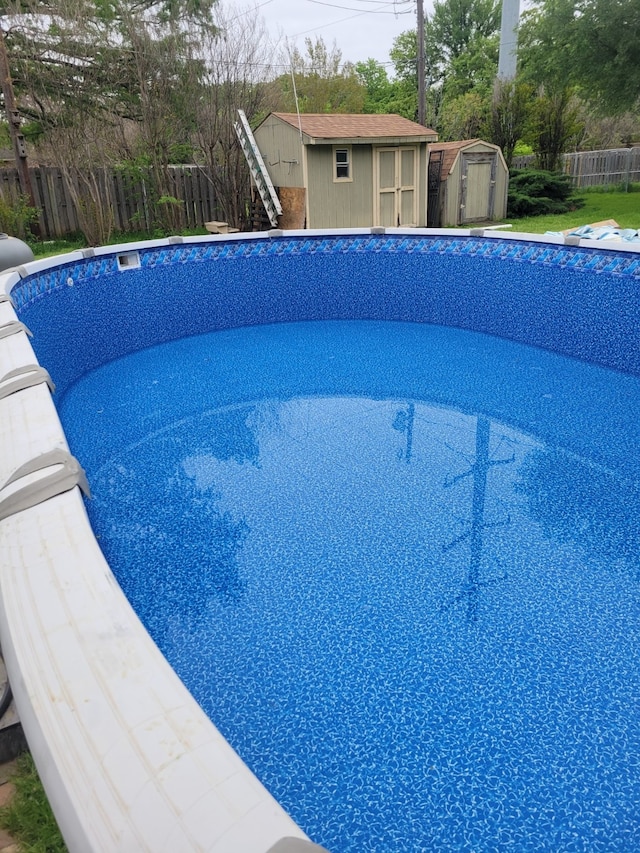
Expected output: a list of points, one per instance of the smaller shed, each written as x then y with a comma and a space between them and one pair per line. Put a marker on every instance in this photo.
474, 179
346, 171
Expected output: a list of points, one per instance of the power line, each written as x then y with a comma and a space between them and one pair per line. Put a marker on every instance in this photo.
393, 3
277, 66
329, 24
247, 12
393, 8
367, 12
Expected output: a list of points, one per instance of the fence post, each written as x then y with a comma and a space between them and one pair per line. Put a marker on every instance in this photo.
627, 171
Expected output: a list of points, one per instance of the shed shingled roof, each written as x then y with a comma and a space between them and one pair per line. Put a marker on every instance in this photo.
353, 126
450, 150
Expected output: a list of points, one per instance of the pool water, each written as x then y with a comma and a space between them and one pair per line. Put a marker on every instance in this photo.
397, 564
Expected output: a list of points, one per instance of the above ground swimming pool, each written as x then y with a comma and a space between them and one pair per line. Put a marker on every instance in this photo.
375, 497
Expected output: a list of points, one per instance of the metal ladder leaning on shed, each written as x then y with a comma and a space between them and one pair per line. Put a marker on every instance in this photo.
258, 169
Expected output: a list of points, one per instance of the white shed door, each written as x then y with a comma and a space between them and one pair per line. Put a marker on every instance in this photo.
395, 181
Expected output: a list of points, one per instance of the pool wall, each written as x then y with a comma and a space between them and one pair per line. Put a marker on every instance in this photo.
128, 759
583, 306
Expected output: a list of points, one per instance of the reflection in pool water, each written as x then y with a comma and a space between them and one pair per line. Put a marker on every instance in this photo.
397, 564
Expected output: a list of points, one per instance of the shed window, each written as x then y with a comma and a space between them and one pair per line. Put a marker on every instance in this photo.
342, 160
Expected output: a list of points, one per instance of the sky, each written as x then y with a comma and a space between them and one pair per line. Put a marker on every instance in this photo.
360, 28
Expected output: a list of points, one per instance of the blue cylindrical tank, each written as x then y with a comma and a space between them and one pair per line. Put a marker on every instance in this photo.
13, 252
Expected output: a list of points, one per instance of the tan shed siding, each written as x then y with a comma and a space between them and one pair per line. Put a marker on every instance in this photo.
280, 146
422, 185
502, 184
480, 148
339, 205
500, 189
451, 214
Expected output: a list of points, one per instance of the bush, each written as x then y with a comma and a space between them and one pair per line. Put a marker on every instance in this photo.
534, 192
17, 217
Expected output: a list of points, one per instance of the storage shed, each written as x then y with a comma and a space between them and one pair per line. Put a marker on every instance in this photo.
474, 179
346, 171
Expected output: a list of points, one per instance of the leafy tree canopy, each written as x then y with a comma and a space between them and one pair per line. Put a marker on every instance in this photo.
511, 108
323, 83
608, 50
463, 117
456, 24
461, 56
474, 69
593, 44
384, 95
373, 75
88, 56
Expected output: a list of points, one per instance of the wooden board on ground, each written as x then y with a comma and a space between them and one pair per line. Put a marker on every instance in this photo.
606, 223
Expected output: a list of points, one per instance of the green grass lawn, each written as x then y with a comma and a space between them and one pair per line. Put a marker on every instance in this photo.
624, 207
48, 248
599, 204
28, 816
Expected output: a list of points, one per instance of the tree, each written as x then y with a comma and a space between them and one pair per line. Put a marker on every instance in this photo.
617, 131
508, 115
593, 45
165, 72
553, 125
105, 78
608, 43
319, 82
239, 61
91, 56
458, 24
404, 55
373, 76
474, 70
463, 117
384, 95
461, 56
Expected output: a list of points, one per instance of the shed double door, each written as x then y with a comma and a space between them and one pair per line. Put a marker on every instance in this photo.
396, 186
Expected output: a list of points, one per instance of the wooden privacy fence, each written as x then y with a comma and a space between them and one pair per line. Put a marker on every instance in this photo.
127, 200
615, 166
593, 168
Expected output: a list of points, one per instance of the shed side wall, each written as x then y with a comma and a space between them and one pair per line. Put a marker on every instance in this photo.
423, 167
281, 150
502, 185
451, 210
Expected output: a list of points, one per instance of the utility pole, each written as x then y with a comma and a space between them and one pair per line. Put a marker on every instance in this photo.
422, 92
13, 119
